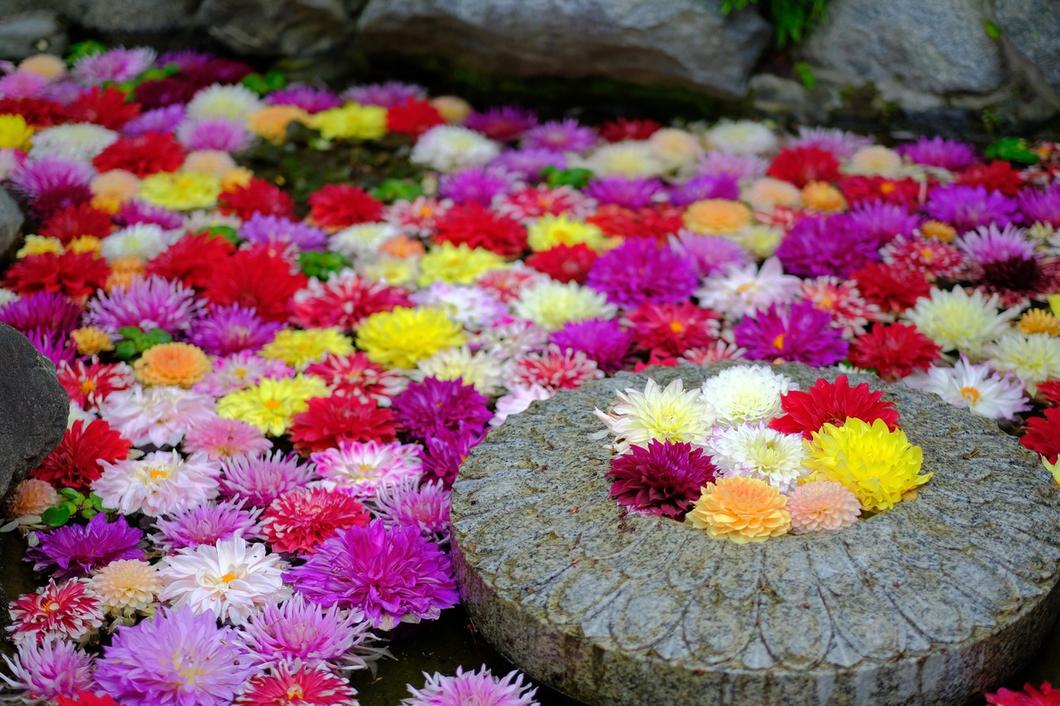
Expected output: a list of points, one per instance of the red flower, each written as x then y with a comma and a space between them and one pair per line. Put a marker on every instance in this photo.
564, 263
143, 156
832, 403
356, 376
75, 462
165, 91
1028, 697
655, 357
863, 189
1050, 390
663, 479
622, 129
801, 165
193, 260
413, 117
1043, 434
86, 698
74, 221
894, 351
108, 107
893, 289
330, 420
478, 227
301, 519
77, 275
344, 301
258, 196
996, 176
38, 112
672, 329
658, 223
338, 206
258, 279
88, 385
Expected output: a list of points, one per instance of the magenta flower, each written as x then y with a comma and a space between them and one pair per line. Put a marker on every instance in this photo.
475, 185
75, 550
22, 84
604, 341
386, 95
503, 124
429, 407
136, 211
988, 244
799, 334
882, 221
663, 479
46, 310
207, 524
937, 152
445, 452
275, 230
389, 575
477, 687
711, 254
262, 479
50, 183
56, 346
117, 65
224, 330
968, 207
222, 134
705, 186
527, 164
308, 98
409, 504
626, 192
164, 120
49, 670
639, 270
1041, 205
150, 303
817, 246
560, 136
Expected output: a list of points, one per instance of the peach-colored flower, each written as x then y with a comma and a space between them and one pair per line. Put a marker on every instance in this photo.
822, 196
47, 65
741, 510
822, 507
271, 121
172, 364
123, 272
111, 189
213, 162
768, 193
31, 497
717, 216
452, 108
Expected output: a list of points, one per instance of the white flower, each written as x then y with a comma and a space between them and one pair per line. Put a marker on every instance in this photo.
874, 160
959, 320
518, 401
742, 290
7, 296
511, 339
157, 415
217, 101
629, 158
479, 369
470, 306
977, 387
759, 452
551, 304
447, 148
361, 240
670, 414
78, 142
233, 579
676, 149
160, 483
1034, 357
744, 394
143, 240
742, 137
77, 414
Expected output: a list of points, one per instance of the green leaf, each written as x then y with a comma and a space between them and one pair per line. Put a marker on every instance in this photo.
56, 516
256, 83
992, 30
88, 514
94, 501
1014, 150
72, 495
227, 232
805, 73
130, 332
576, 178
275, 80
157, 335
393, 189
83, 49
125, 350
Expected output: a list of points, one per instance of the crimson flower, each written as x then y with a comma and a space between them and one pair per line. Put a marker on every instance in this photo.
658, 223
894, 351
192, 260
256, 278
832, 403
108, 107
1050, 390
76, 220
892, 288
329, 420
257, 196
1043, 434
476, 226
564, 263
86, 698
413, 117
1047, 696
38, 112
77, 275
76, 461
337, 206
622, 129
863, 189
143, 156
301, 519
996, 176
663, 479
672, 329
801, 165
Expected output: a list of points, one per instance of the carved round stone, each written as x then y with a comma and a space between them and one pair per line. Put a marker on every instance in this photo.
931, 602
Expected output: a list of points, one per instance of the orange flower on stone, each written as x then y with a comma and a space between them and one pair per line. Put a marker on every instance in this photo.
172, 364
741, 510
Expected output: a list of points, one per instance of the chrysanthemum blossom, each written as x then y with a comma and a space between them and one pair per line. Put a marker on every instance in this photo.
475, 687
1034, 358
126, 586
271, 404
448, 148
832, 403
220, 438
75, 550
741, 510
302, 519
76, 461
979, 387
894, 351
662, 478
551, 304
297, 683
666, 414
160, 483
50, 670
823, 506
207, 523
960, 319
639, 271
261, 479
402, 337
755, 451
740, 290
745, 394
1043, 435
408, 503
799, 333
146, 304
179, 364
68, 611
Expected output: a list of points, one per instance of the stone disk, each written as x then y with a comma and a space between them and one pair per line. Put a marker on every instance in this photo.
932, 602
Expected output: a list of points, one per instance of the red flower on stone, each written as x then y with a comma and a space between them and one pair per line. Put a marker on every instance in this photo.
801, 165
192, 260
329, 420
672, 329
258, 196
622, 129
1043, 434
476, 226
564, 263
301, 519
338, 206
77, 275
76, 220
894, 351
108, 107
75, 462
663, 479
258, 279
413, 117
832, 403
890, 287
1047, 696
144, 155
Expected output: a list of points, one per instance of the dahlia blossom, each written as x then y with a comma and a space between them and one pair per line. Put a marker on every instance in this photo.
50, 670
799, 333
663, 478
76, 550
753, 451
745, 394
670, 414
160, 483
832, 403
740, 290
310, 686
208, 523
824, 506
983, 391
364, 468
261, 479
476, 687
741, 510
407, 503
432, 405
960, 319
223, 438
639, 271
146, 304
71, 611
301, 520
602, 340
126, 586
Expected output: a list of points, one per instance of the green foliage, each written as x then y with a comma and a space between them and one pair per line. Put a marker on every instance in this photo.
271, 81
83, 49
321, 264
576, 178
227, 232
805, 73
74, 503
992, 30
393, 189
136, 341
792, 19
1015, 150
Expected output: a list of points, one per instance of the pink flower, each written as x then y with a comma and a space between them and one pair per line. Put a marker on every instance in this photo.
67, 611
823, 506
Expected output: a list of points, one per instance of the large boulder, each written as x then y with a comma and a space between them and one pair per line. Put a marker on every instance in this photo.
675, 42
26, 33
10, 221
1032, 28
137, 18
285, 27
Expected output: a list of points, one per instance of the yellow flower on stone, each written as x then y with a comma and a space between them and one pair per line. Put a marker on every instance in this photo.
549, 231
457, 264
300, 348
181, 191
403, 337
15, 133
271, 404
741, 510
876, 464
351, 121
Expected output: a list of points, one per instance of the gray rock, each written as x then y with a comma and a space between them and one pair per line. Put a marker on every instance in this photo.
1032, 28
137, 17
33, 408
931, 602
675, 42
287, 27
915, 52
32, 32
10, 221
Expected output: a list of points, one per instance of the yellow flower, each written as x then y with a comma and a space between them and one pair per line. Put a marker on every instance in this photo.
938, 230
457, 264
1053, 468
14, 132
300, 348
91, 340
271, 404
717, 216
38, 245
181, 191
876, 464
549, 231
741, 510
452, 108
85, 243
180, 364
271, 121
403, 337
1039, 321
822, 196
123, 272
236, 178
351, 121
392, 270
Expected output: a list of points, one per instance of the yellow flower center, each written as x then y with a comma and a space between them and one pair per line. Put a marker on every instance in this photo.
426, 211
677, 326
827, 302
295, 693
158, 473
272, 404
88, 386
887, 187
52, 607
971, 394
745, 287
229, 577
778, 342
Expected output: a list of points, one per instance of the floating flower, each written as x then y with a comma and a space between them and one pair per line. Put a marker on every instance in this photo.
663, 478
978, 387
402, 337
741, 510
76, 550
799, 333
160, 483
71, 611
261, 479
1043, 434
551, 304
311, 686
639, 271
300, 520
823, 506
77, 461
221, 438
207, 523
271, 404
479, 686
50, 670
407, 503
178, 364
1046, 696
1034, 358
126, 586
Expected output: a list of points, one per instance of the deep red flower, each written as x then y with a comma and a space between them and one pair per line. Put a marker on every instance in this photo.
1050, 390
88, 384
77, 275
565, 263
193, 260
893, 289
832, 403
479, 227
622, 129
864, 189
656, 357
38, 112
217, 70
143, 156
894, 351
108, 107
165, 91
995, 176
330, 420
337, 206
77, 220
801, 165
86, 698
356, 376
658, 223
1043, 434
75, 462
258, 196
1048, 696
301, 519
256, 278
672, 329
663, 479
344, 301
413, 117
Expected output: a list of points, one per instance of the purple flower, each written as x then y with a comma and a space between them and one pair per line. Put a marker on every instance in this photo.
389, 575
1041, 205
477, 687
135, 211
475, 185
45, 310
56, 346
840, 143
639, 270
222, 134
224, 330
175, 659
262, 479
22, 84
602, 340
883, 221
207, 524
426, 408
988, 244
185, 59
503, 124
937, 152
150, 303
387, 95
50, 183
711, 254
705, 186
117, 65
799, 334
409, 504
968, 207
75, 550
627, 192
737, 166
164, 120
818, 246
445, 452
277, 229
527, 164
63, 90
51, 669
560, 135
308, 98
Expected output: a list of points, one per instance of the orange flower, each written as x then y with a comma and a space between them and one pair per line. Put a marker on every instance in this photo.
123, 272
271, 121
172, 364
938, 230
91, 340
741, 510
822, 196
717, 216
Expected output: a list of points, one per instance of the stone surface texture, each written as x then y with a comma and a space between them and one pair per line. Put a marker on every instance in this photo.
687, 42
11, 220
1032, 28
285, 27
33, 408
26, 33
931, 602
